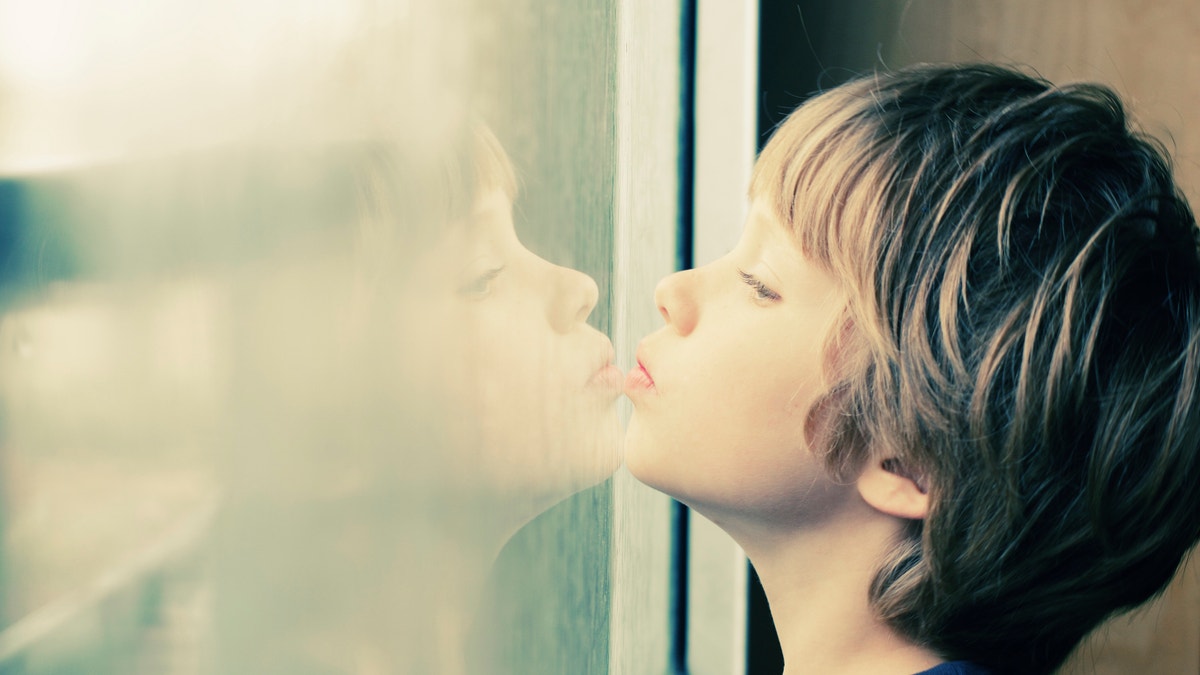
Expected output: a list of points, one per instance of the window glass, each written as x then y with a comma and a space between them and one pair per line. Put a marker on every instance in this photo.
310, 334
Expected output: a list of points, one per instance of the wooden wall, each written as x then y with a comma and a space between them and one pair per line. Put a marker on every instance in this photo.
1148, 50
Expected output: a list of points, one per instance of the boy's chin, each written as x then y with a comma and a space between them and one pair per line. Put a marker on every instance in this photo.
645, 463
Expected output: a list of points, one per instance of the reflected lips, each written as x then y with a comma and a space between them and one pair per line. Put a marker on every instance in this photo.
609, 377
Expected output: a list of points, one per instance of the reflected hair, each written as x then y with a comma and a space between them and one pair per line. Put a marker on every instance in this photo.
1022, 335
409, 192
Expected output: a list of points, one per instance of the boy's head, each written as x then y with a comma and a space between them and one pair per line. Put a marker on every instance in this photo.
1023, 334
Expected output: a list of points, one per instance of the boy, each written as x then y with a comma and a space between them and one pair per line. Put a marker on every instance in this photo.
945, 391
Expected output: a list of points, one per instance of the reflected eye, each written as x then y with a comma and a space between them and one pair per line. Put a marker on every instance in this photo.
481, 285
762, 292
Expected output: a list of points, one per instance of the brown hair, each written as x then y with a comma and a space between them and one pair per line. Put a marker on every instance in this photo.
1024, 317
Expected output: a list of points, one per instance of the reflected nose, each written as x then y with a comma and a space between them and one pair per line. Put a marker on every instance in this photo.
675, 301
574, 298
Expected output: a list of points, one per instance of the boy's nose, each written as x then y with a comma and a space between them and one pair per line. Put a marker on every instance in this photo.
674, 299
575, 297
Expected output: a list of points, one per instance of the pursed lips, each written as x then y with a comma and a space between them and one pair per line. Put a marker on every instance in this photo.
639, 379
641, 361
646, 372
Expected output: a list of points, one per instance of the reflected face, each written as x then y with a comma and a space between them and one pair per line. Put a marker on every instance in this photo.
723, 389
532, 386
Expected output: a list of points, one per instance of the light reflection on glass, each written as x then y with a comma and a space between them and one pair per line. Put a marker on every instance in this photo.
280, 372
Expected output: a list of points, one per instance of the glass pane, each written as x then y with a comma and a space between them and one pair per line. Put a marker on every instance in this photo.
305, 335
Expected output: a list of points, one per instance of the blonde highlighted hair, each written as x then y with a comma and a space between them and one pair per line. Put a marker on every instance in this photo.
1022, 337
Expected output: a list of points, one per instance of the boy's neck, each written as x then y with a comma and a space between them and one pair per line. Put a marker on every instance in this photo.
816, 580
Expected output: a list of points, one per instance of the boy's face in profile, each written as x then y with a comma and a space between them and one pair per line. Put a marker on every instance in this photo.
724, 388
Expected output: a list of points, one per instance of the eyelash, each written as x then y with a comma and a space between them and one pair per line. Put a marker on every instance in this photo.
481, 285
764, 293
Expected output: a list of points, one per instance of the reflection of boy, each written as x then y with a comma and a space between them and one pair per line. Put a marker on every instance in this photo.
1021, 347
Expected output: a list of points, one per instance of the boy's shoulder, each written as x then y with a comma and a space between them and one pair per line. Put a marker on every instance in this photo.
955, 668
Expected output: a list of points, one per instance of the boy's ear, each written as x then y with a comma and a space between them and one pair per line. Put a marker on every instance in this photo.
888, 486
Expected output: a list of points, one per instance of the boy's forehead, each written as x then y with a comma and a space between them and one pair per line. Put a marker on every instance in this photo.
764, 226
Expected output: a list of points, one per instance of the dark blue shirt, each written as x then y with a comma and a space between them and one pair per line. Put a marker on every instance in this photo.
955, 668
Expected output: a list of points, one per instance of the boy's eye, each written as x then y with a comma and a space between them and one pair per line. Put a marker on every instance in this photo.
480, 285
760, 289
